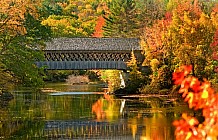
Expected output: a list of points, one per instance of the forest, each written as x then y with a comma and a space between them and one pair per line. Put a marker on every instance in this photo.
179, 39
172, 33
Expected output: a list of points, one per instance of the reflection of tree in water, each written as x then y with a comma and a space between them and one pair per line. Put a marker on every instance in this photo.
151, 118
5, 98
106, 108
21, 128
156, 126
16, 118
161, 101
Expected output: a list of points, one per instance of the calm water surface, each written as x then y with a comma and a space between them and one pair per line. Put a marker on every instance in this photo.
82, 112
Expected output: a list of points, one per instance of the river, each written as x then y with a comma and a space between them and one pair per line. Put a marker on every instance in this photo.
84, 112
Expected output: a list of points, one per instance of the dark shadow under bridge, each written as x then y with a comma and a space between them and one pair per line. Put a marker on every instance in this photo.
90, 53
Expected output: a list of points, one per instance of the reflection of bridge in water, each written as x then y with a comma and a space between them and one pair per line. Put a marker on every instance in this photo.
86, 129
106, 130
90, 53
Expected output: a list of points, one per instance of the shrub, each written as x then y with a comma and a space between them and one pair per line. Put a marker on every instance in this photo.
72, 79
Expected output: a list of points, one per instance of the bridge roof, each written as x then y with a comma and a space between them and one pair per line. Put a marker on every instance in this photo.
93, 44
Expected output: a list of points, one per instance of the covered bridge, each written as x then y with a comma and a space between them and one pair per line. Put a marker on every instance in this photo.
89, 53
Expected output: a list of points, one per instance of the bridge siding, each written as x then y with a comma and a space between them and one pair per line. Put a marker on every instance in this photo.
82, 65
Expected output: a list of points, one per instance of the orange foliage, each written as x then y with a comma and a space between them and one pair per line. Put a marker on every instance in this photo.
107, 97
97, 107
214, 46
215, 8
199, 95
13, 14
187, 6
155, 38
98, 28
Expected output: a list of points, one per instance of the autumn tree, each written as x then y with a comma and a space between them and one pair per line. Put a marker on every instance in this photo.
182, 37
103, 11
154, 42
73, 18
20, 35
192, 33
98, 28
26, 49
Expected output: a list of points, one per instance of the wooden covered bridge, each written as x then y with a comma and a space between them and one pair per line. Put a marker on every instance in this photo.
89, 53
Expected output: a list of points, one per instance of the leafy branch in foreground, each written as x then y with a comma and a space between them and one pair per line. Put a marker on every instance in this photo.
199, 95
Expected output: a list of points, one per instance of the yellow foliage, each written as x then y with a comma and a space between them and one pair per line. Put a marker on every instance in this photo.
112, 78
187, 18
204, 94
205, 20
88, 6
191, 37
67, 25
14, 12
133, 126
62, 4
154, 64
214, 18
132, 62
52, 21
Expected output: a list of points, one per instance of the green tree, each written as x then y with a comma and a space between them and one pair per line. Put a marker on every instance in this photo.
21, 38
127, 17
207, 6
122, 20
22, 51
135, 79
112, 78
7, 78
151, 10
51, 7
